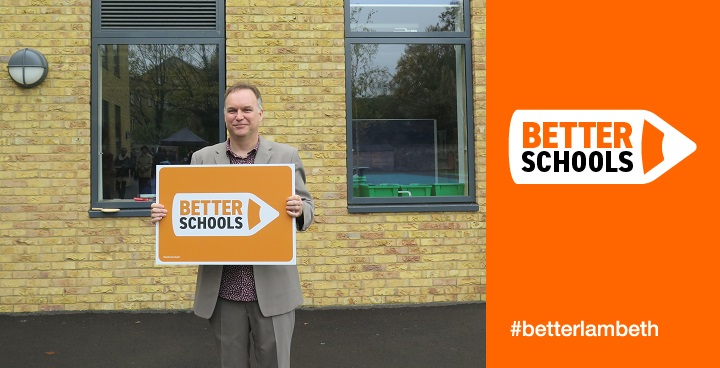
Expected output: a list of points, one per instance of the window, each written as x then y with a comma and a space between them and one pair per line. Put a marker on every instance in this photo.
159, 100
410, 136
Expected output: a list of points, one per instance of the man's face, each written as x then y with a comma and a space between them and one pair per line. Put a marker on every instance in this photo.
242, 114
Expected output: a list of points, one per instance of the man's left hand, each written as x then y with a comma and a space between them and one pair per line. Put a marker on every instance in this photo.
294, 206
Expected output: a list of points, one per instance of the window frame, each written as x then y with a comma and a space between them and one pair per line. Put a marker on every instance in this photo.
413, 204
100, 37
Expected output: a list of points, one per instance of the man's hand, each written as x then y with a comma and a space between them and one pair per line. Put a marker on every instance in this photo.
294, 206
157, 212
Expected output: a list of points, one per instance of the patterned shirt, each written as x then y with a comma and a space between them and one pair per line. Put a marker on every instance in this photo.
238, 282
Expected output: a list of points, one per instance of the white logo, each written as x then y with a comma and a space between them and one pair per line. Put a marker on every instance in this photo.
220, 214
593, 147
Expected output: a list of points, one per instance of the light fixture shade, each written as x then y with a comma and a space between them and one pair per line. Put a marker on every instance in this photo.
28, 67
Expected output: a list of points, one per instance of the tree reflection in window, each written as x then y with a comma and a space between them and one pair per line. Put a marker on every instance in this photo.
173, 87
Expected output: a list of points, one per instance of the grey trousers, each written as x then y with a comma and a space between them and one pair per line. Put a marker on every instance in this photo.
240, 327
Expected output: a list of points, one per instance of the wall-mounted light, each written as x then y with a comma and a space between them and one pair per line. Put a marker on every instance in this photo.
28, 67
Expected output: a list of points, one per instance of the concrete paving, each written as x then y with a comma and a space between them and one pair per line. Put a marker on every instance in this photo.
427, 336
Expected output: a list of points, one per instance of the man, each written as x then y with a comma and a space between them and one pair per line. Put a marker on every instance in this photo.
143, 169
245, 303
122, 172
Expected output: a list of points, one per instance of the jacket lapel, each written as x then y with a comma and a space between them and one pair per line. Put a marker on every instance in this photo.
264, 152
221, 157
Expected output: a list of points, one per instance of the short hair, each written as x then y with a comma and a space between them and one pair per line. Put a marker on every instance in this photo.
242, 85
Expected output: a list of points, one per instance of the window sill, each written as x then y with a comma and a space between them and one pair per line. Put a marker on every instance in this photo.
128, 212
439, 207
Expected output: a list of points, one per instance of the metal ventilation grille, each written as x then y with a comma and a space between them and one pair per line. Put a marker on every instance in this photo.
158, 14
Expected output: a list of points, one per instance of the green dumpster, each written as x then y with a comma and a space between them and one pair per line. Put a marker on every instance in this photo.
416, 190
380, 190
448, 189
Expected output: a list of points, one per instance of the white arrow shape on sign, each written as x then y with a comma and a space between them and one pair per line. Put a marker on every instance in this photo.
220, 214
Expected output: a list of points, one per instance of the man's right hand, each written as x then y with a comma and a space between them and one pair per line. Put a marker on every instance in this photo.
157, 212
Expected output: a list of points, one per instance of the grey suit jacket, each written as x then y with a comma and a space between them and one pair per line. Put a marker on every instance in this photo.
278, 287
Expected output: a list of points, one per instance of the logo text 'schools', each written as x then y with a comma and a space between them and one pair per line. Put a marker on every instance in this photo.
593, 147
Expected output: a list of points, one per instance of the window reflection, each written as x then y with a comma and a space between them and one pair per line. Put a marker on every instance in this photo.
406, 16
160, 104
408, 120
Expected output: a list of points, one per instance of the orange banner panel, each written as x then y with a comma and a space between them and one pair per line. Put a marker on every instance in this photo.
593, 272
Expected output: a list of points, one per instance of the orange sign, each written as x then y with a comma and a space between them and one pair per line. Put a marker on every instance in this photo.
225, 214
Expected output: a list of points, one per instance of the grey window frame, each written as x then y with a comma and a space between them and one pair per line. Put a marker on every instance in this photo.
110, 36
466, 203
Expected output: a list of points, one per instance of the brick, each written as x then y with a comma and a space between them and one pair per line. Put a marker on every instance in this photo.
384, 291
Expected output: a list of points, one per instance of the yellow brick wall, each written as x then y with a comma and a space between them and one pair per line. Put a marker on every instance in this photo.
53, 257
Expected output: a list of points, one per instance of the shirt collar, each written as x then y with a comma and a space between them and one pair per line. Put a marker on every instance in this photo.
230, 152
